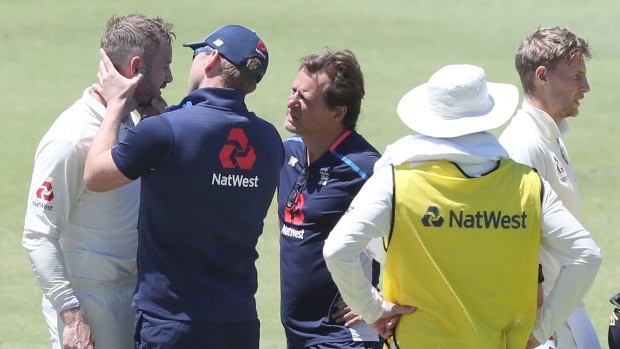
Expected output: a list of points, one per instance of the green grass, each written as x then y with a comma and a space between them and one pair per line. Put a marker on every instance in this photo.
48, 55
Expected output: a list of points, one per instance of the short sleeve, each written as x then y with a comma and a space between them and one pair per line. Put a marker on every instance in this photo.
146, 147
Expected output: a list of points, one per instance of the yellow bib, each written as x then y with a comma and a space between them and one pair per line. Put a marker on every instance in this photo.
464, 251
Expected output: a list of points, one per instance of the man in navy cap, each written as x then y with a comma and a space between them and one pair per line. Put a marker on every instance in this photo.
197, 240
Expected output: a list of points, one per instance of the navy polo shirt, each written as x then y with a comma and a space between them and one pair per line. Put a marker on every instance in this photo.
311, 200
209, 170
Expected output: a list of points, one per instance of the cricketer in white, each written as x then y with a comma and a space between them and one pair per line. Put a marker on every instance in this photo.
80, 241
533, 138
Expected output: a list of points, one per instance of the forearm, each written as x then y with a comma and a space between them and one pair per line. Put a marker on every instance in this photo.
570, 287
369, 217
50, 271
100, 172
105, 139
568, 242
355, 288
107, 135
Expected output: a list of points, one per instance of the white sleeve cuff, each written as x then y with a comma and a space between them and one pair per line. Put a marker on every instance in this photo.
49, 268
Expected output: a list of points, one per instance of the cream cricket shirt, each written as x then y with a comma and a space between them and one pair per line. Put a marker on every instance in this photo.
70, 231
534, 139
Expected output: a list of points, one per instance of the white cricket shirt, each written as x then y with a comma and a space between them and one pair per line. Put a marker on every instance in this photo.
533, 138
70, 231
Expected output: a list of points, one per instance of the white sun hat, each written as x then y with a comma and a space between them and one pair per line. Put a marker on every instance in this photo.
457, 101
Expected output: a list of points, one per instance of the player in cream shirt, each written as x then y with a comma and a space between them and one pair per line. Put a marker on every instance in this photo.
82, 244
551, 65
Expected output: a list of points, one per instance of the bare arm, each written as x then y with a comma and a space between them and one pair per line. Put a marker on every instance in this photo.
101, 173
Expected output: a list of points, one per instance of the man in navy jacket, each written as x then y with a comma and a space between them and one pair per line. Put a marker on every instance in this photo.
197, 239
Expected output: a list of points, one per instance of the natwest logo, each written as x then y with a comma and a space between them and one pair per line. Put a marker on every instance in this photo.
45, 192
432, 217
237, 153
475, 220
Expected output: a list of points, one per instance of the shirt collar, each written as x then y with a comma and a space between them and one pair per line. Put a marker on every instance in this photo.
473, 149
544, 121
332, 149
339, 140
98, 109
226, 98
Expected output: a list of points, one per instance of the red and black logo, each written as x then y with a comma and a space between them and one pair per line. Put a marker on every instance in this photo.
260, 46
293, 212
558, 165
237, 153
45, 192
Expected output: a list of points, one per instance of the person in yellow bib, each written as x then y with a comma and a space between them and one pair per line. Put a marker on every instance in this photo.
462, 226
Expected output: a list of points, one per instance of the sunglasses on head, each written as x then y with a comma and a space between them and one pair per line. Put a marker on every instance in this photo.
300, 183
201, 50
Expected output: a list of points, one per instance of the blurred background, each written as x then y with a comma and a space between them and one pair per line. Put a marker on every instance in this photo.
48, 56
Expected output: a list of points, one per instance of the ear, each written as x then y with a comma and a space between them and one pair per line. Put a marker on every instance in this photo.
540, 74
213, 61
135, 66
340, 112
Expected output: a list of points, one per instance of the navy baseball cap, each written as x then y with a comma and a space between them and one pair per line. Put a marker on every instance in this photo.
237, 44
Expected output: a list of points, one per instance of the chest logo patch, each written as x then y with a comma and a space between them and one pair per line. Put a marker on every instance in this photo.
324, 176
45, 192
293, 213
292, 161
560, 169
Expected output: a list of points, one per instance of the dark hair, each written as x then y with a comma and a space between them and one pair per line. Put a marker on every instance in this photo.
547, 47
134, 34
347, 81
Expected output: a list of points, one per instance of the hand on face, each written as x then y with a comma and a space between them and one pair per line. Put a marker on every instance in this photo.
113, 87
158, 106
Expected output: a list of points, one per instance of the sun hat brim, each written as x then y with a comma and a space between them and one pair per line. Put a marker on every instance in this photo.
413, 109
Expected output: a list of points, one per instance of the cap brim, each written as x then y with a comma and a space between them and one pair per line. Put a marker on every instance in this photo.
195, 45
413, 110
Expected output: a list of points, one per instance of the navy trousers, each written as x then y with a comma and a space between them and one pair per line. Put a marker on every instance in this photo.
153, 332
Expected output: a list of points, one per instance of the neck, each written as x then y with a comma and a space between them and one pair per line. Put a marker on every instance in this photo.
541, 104
319, 146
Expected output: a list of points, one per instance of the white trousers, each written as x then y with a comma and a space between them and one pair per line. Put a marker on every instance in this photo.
108, 312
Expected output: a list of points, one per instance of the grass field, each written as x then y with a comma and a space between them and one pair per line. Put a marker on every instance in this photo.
48, 55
